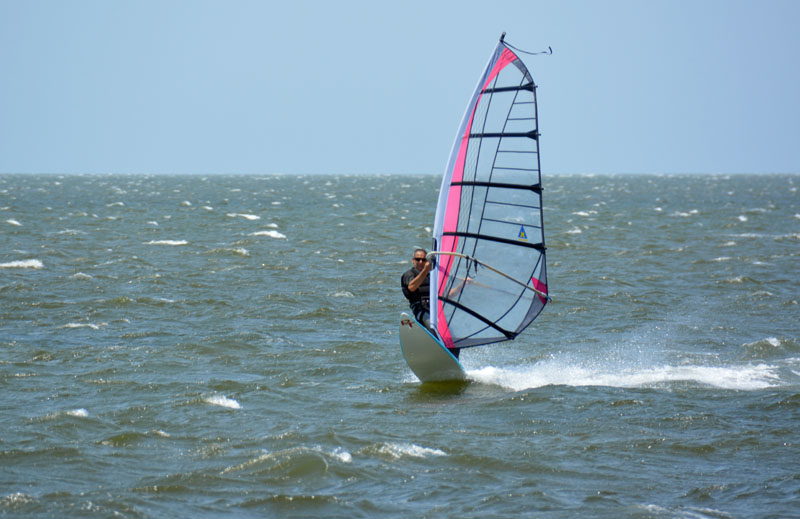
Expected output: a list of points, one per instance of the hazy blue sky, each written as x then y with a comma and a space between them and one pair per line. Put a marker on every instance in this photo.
173, 86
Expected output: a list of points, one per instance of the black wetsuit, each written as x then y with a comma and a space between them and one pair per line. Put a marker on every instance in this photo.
419, 301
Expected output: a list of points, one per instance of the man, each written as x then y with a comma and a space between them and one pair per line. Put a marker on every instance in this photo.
416, 286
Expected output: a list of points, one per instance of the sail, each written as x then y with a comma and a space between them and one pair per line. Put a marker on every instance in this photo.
490, 280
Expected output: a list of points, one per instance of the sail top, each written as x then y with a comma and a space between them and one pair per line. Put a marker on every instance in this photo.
490, 280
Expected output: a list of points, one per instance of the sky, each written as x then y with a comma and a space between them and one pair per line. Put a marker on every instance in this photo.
372, 87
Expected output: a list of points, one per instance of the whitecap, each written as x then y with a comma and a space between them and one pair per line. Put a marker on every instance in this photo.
245, 216
207, 208
772, 341
84, 325
222, 401
23, 264
81, 275
271, 234
576, 230
80, 413
17, 498
749, 235
399, 450
742, 218
341, 455
186, 203
343, 293
167, 242
11, 221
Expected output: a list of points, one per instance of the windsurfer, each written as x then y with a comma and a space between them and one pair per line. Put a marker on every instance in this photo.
416, 286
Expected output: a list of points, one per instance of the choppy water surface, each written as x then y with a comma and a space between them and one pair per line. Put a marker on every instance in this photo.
227, 346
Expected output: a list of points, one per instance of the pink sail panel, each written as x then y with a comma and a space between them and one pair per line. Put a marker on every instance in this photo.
541, 287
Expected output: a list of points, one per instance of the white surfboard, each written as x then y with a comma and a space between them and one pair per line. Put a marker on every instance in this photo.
426, 356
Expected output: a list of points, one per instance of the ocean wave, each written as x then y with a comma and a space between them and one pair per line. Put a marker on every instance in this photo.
769, 341
77, 413
776, 237
271, 234
167, 242
297, 461
770, 347
239, 251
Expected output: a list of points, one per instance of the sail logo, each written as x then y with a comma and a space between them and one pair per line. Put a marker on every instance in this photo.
522, 234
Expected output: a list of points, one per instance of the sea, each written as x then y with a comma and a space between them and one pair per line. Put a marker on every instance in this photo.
227, 346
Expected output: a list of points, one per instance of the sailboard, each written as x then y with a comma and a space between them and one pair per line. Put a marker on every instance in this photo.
489, 282
426, 355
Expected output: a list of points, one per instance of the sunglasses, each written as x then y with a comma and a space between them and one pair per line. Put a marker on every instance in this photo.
420, 259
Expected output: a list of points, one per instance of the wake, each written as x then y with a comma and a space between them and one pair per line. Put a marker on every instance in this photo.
559, 373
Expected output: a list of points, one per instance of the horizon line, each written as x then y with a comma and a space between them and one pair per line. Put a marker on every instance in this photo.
435, 174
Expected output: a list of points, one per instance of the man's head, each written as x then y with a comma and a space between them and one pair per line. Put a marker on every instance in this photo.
419, 258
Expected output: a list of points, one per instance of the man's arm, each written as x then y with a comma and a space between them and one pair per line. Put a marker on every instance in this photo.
414, 284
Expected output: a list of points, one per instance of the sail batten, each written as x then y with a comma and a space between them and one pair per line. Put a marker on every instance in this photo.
537, 246
534, 187
527, 86
530, 135
489, 210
